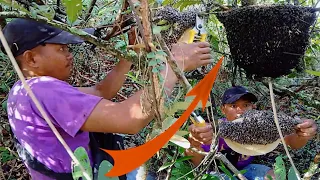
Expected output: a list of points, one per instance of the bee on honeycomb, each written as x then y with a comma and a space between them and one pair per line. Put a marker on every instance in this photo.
257, 127
178, 21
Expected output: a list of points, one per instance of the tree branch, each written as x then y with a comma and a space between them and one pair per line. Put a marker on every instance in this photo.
108, 47
282, 91
121, 22
140, 26
230, 166
92, 4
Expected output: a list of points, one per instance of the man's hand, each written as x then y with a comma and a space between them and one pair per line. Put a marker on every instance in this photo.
304, 132
307, 129
200, 135
192, 56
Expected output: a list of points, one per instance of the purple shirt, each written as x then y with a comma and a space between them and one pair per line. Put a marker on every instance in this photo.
66, 106
243, 160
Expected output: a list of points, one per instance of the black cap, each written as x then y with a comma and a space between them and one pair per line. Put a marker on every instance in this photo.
233, 94
25, 34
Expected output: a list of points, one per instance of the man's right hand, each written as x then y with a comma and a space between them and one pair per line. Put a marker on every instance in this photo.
114, 117
200, 135
192, 56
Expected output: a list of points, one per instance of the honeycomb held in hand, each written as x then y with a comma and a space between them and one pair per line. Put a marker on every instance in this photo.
255, 132
257, 127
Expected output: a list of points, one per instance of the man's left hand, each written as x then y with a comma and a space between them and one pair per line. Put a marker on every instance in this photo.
307, 129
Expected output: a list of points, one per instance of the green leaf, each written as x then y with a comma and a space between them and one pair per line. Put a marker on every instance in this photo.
226, 171
151, 55
104, 168
73, 9
185, 158
180, 141
44, 10
162, 53
155, 70
165, 166
292, 174
182, 133
269, 177
156, 29
121, 45
166, 123
4, 105
162, 22
77, 31
316, 73
82, 156
280, 169
152, 63
209, 177
243, 171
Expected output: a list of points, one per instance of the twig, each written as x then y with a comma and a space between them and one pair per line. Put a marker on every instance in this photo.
279, 129
38, 105
92, 4
312, 168
139, 25
108, 47
118, 24
230, 166
175, 156
1, 171
173, 63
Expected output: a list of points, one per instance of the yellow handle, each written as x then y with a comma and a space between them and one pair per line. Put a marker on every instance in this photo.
202, 122
191, 36
203, 37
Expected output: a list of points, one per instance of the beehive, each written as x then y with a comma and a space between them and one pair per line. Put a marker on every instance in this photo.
268, 40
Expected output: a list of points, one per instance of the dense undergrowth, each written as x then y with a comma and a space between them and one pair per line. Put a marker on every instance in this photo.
296, 94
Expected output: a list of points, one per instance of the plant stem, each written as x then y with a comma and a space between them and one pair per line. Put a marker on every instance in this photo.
230, 166
108, 47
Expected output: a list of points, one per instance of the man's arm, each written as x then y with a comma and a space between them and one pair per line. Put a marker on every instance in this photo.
126, 116
305, 131
111, 84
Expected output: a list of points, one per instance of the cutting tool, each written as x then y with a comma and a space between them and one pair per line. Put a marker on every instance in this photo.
198, 33
197, 120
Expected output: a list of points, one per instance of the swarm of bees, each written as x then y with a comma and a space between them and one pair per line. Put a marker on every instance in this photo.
268, 40
257, 127
174, 23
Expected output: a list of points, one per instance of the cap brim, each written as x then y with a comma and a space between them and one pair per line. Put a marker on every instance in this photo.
234, 98
67, 38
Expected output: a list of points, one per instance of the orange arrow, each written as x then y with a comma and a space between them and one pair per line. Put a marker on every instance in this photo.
130, 159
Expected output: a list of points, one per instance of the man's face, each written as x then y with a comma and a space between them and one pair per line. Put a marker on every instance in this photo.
234, 110
53, 60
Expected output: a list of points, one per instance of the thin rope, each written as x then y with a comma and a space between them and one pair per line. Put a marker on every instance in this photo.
279, 129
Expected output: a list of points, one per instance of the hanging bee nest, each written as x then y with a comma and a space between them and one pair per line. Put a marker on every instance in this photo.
268, 40
176, 23
255, 132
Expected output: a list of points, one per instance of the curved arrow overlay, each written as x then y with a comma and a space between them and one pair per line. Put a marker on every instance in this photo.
130, 159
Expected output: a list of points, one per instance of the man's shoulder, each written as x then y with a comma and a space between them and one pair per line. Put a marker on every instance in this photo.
42, 84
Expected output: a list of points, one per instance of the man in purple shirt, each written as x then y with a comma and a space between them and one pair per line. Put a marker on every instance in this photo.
44, 58
235, 101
